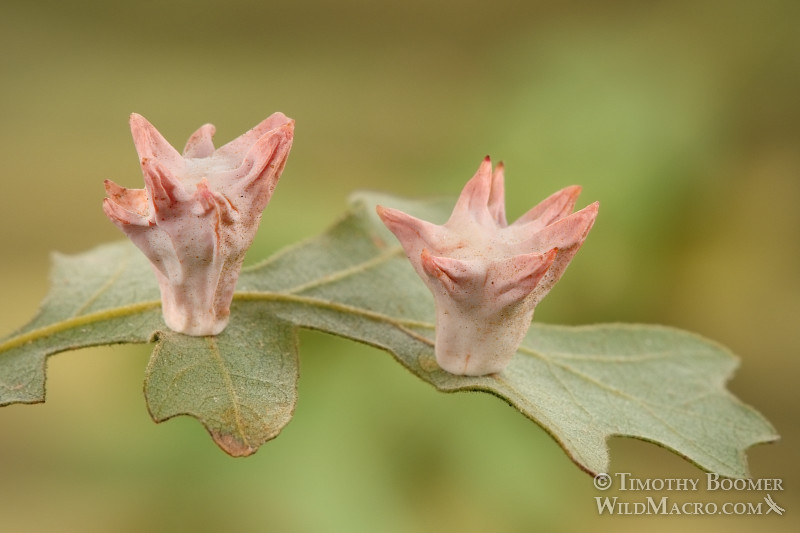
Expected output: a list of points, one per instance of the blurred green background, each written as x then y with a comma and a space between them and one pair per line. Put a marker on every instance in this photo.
681, 118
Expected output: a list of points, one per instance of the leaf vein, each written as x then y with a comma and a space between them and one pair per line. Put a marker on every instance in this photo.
533, 412
601, 358
644, 405
568, 390
347, 272
214, 347
107, 285
82, 320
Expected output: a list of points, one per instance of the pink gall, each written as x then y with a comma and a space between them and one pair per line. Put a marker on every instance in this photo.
198, 214
486, 275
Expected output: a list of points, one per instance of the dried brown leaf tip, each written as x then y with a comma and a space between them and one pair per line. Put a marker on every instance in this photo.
487, 276
198, 214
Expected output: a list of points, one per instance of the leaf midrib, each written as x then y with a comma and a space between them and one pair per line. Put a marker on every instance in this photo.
140, 307
230, 389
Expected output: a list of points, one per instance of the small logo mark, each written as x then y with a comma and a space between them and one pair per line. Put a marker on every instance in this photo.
602, 481
772, 505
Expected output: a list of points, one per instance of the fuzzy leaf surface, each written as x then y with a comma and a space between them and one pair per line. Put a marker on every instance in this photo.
581, 384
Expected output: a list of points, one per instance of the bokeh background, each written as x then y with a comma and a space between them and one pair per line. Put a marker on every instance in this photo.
681, 117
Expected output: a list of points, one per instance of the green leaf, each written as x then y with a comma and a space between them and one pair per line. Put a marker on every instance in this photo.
242, 383
104, 296
581, 384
